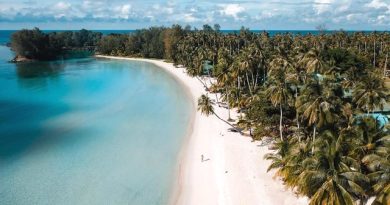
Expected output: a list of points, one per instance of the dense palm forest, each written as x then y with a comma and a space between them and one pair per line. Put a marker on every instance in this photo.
37, 45
318, 96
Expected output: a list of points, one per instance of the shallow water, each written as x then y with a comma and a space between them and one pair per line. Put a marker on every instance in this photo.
89, 131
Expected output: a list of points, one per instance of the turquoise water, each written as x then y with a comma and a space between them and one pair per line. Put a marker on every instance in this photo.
89, 131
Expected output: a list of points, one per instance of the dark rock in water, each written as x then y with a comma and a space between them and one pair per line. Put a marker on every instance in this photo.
8, 45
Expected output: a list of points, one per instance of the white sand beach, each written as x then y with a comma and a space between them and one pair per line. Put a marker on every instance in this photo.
233, 172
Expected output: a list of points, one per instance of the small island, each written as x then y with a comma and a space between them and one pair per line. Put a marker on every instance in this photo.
36, 45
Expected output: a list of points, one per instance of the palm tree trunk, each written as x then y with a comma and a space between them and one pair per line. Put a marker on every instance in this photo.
249, 85
380, 49
238, 130
385, 67
374, 63
281, 122
264, 76
253, 81
298, 125
228, 104
365, 46
211, 83
255, 85
203, 83
314, 138
239, 87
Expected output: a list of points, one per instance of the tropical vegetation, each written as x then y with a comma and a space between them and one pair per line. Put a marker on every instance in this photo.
35, 44
313, 94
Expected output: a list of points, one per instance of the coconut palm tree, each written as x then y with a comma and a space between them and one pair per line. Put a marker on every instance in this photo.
379, 175
295, 79
328, 176
278, 95
370, 138
313, 62
288, 159
371, 93
277, 90
317, 106
205, 106
371, 146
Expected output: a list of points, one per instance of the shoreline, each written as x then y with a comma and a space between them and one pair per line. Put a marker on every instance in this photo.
176, 186
234, 171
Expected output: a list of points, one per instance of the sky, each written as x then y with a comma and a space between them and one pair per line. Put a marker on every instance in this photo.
230, 14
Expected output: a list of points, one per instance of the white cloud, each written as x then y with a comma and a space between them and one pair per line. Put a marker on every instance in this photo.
60, 10
322, 6
331, 6
343, 6
265, 15
377, 4
232, 10
62, 6
189, 18
287, 14
163, 9
125, 11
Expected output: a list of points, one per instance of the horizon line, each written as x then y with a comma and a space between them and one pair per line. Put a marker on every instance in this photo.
192, 29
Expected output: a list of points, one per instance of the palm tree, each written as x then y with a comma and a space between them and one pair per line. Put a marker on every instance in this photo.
379, 176
313, 62
371, 145
205, 106
371, 93
236, 72
328, 176
288, 160
226, 97
277, 90
278, 96
385, 63
317, 105
224, 78
294, 79
278, 158
246, 124
370, 138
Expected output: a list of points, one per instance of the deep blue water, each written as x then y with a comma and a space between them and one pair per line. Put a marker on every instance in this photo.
5, 36
88, 131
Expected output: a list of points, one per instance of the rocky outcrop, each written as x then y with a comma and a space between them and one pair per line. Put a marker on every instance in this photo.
19, 59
